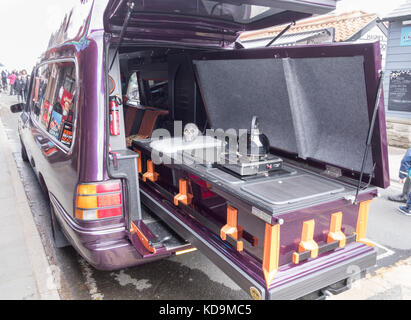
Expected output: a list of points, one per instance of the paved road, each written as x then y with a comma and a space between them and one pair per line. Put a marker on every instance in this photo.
190, 276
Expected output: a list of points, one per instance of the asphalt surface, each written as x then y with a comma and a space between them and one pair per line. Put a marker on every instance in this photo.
187, 277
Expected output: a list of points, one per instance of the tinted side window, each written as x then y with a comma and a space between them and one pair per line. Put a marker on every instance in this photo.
54, 100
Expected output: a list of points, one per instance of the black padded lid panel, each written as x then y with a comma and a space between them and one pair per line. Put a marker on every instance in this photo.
236, 90
329, 106
314, 107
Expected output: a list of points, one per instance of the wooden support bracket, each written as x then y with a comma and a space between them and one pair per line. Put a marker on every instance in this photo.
150, 174
232, 228
307, 239
184, 196
335, 233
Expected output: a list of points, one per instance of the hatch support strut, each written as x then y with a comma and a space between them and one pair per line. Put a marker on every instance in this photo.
130, 6
370, 133
280, 34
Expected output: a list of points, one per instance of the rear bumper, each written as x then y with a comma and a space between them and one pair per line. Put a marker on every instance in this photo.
293, 282
105, 249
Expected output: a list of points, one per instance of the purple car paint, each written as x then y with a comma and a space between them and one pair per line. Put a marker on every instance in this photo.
110, 244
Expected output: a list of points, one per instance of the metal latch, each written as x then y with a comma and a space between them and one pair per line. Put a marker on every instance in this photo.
114, 157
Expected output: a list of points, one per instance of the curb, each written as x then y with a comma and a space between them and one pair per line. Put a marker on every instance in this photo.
42, 271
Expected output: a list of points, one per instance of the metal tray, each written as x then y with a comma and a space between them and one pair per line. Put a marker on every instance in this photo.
292, 189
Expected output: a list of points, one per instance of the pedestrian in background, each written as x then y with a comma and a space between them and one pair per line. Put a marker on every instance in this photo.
12, 78
23, 84
26, 89
405, 173
19, 84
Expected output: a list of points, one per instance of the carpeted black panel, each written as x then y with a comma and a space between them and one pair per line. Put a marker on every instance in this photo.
315, 107
236, 90
329, 107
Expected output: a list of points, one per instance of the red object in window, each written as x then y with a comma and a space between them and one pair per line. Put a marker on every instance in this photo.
66, 100
114, 117
46, 111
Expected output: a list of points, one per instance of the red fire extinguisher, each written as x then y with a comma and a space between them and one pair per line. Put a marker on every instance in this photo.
115, 101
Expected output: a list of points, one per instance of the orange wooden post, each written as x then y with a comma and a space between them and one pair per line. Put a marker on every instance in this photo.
139, 167
150, 174
335, 233
362, 222
271, 252
184, 196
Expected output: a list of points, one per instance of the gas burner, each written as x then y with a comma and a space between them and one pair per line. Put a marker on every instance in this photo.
247, 166
256, 158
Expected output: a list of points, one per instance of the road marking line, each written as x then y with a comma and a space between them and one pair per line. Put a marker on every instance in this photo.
90, 281
383, 255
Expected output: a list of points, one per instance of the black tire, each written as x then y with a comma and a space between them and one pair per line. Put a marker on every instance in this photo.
24, 153
59, 239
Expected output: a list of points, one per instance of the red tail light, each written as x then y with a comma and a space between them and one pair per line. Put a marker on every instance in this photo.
99, 201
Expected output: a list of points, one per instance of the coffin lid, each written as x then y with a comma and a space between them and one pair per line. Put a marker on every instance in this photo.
199, 21
314, 103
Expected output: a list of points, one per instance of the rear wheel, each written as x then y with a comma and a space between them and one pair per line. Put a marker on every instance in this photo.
24, 153
59, 239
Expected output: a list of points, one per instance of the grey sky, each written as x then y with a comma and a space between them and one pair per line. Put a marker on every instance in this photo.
26, 25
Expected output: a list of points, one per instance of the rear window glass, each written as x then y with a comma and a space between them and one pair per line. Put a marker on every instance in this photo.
54, 100
242, 13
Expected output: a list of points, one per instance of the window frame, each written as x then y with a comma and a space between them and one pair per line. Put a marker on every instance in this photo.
59, 144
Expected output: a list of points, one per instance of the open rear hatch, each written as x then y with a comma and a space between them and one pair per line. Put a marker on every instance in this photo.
204, 22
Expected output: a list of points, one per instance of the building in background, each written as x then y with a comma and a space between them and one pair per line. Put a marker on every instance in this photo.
356, 26
394, 34
398, 77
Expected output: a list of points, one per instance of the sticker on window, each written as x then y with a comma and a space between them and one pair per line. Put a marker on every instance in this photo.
55, 121
67, 133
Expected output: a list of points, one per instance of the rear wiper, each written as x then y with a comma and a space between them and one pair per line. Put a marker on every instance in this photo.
370, 133
280, 34
123, 30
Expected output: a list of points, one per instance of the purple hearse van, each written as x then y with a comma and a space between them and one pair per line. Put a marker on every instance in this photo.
155, 132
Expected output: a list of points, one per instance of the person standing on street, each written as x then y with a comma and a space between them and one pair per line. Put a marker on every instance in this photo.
18, 87
26, 89
405, 173
23, 85
12, 79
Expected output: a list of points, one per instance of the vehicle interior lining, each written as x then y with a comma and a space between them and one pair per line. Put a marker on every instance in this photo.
166, 91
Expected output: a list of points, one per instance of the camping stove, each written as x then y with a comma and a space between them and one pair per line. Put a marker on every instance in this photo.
255, 159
